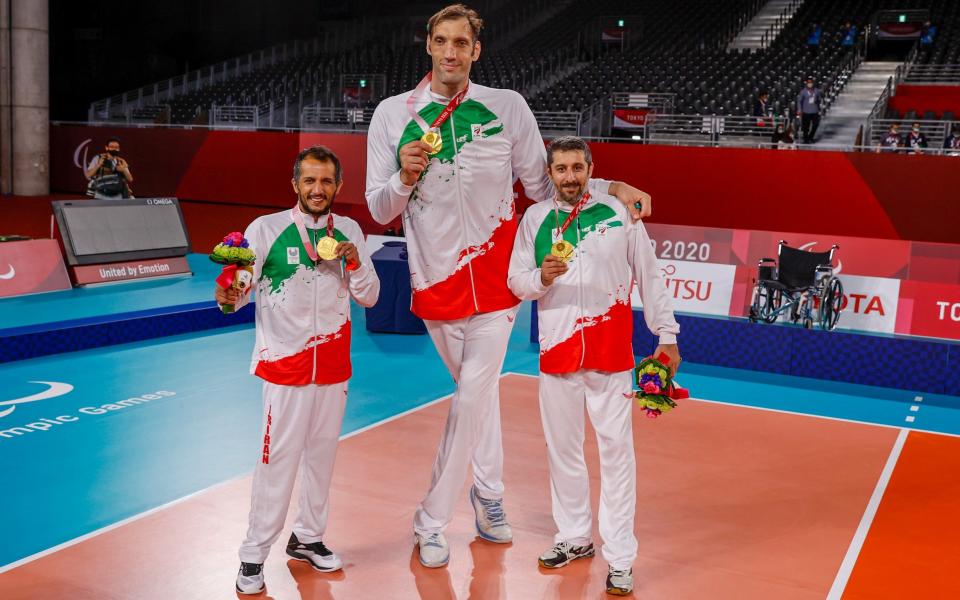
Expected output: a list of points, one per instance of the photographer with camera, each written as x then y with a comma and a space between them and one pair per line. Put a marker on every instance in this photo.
109, 174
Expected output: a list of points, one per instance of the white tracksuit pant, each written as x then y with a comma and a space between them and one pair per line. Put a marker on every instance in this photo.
473, 349
562, 400
301, 428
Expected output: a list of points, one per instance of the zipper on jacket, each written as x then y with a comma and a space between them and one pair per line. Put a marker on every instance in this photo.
463, 218
313, 332
579, 250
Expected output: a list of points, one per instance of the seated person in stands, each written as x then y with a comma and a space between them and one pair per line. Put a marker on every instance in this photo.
848, 35
760, 105
813, 38
783, 136
927, 34
916, 141
892, 141
951, 145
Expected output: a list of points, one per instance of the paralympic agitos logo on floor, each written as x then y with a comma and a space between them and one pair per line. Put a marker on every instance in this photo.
56, 389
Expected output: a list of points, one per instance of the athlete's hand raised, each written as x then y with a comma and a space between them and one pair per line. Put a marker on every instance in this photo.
413, 161
551, 268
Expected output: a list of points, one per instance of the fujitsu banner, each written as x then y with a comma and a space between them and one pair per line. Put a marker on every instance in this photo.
695, 287
891, 286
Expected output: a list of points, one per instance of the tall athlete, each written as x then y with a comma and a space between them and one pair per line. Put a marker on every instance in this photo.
579, 256
302, 353
445, 156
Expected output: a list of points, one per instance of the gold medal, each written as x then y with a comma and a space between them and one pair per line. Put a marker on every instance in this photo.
432, 137
562, 250
327, 248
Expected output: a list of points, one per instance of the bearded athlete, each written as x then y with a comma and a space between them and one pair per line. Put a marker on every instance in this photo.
578, 257
302, 353
445, 157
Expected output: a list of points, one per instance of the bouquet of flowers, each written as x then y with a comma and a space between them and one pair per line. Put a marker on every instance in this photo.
237, 257
657, 391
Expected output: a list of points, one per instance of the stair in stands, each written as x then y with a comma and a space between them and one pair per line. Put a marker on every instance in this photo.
853, 105
752, 35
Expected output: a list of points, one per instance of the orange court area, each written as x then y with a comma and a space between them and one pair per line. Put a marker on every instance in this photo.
733, 503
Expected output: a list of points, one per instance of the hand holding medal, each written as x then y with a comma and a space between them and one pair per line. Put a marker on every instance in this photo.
414, 156
433, 139
327, 248
561, 248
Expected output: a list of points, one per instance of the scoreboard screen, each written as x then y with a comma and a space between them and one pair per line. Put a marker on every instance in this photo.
105, 231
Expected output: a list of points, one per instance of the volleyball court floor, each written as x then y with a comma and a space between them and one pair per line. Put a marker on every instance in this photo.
136, 483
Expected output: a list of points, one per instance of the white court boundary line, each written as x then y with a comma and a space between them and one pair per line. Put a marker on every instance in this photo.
866, 521
147, 513
860, 536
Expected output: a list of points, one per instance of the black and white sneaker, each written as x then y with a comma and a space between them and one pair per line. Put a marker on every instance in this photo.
620, 583
250, 578
563, 553
319, 556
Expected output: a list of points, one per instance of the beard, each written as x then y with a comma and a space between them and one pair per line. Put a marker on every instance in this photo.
306, 208
570, 195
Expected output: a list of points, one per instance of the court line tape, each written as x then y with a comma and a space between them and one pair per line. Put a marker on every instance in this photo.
856, 544
796, 413
136, 517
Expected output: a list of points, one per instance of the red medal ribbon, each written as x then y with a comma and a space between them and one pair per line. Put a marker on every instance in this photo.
444, 114
302, 230
573, 214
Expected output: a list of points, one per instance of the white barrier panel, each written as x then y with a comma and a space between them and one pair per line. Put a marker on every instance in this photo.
695, 287
870, 303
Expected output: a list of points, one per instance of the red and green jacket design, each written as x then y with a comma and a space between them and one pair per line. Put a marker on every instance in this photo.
303, 309
585, 317
459, 218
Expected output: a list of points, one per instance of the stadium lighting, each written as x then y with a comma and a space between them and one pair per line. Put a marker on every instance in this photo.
902, 18
620, 23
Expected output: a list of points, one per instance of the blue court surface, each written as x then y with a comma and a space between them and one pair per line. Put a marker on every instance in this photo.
143, 424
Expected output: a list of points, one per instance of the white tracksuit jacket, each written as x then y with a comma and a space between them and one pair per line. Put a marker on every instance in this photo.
585, 317
303, 310
459, 218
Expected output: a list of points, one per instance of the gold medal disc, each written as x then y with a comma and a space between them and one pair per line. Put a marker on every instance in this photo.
433, 138
327, 248
562, 250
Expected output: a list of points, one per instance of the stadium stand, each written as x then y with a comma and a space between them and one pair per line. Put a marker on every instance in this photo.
566, 57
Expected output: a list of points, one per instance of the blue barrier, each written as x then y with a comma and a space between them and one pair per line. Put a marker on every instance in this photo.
899, 362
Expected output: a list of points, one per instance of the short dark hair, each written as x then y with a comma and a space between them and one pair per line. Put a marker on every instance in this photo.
567, 143
321, 153
457, 11
112, 139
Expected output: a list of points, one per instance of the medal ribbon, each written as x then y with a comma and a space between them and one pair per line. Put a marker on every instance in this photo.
302, 230
444, 114
573, 214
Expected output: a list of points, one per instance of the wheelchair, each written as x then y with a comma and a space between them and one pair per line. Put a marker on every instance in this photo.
800, 284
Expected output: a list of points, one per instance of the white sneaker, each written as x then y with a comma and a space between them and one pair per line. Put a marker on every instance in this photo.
620, 583
250, 578
434, 551
491, 521
563, 553
319, 556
